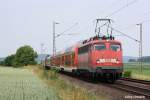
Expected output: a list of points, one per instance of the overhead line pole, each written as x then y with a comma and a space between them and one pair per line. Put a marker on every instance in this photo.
140, 44
57, 35
141, 48
54, 37
42, 45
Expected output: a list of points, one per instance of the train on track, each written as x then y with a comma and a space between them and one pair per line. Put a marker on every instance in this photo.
99, 57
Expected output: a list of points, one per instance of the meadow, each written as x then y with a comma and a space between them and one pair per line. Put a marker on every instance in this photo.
23, 84
34, 83
136, 70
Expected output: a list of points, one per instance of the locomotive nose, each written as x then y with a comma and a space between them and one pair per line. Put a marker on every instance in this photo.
107, 58
107, 54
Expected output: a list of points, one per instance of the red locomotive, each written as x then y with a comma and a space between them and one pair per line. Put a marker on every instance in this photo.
100, 57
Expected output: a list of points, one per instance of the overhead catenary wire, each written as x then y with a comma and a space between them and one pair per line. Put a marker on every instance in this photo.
147, 13
116, 11
133, 25
124, 34
68, 29
118, 31
120, 9
111, 14
145, 21
110, 6
102, 11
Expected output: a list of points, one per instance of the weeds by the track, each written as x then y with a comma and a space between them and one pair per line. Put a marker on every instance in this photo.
135, 69
64, 90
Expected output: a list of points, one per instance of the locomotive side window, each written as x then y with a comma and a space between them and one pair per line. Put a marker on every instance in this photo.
100, 47
83, 49
115, 47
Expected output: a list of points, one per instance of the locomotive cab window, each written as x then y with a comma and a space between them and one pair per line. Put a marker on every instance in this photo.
100, 47
115, 47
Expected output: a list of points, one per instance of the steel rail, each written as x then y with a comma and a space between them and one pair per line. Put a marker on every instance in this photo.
136, 80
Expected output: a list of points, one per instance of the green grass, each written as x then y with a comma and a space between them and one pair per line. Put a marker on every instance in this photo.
136, 72
23, 84
64, 90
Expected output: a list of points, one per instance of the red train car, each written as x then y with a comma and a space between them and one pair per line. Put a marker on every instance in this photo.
100, 57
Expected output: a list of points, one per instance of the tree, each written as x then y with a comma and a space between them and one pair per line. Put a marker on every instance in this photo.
2, 63
132, 60
25, 55
9, 60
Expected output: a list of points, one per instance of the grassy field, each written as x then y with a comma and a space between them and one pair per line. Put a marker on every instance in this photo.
64, 90
22, 84
136, 72
33, 83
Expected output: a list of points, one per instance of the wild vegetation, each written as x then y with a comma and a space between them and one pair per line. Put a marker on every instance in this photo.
64, 90
127, 74
24, 56
134, 70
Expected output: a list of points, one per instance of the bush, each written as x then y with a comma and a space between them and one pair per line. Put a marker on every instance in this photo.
127, 74
2, 63
51, 74
9, 60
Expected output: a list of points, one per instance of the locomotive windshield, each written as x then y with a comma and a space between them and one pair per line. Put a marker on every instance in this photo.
100, 47
115, 47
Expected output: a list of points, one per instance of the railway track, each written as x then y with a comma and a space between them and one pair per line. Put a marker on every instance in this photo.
136, 80
140, 88
134, 87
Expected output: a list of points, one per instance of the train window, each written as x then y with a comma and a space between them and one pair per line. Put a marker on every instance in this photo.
100, 47
83, 49
115, 47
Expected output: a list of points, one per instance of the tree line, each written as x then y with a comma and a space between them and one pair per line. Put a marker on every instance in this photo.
24, 56
144, 59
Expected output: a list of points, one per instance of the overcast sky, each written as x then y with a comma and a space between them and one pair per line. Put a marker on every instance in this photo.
30, 22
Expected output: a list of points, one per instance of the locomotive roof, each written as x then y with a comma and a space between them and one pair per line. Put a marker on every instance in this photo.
86, 42
99, 41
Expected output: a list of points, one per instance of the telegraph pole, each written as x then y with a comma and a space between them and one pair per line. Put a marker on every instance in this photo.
58, 35
141, 48
54, 37
42, 45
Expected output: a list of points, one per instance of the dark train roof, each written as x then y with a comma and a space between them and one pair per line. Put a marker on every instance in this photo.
98, 39
95, 39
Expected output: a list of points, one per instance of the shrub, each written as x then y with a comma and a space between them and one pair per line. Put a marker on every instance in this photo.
127, 74
9, 60
51, 74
